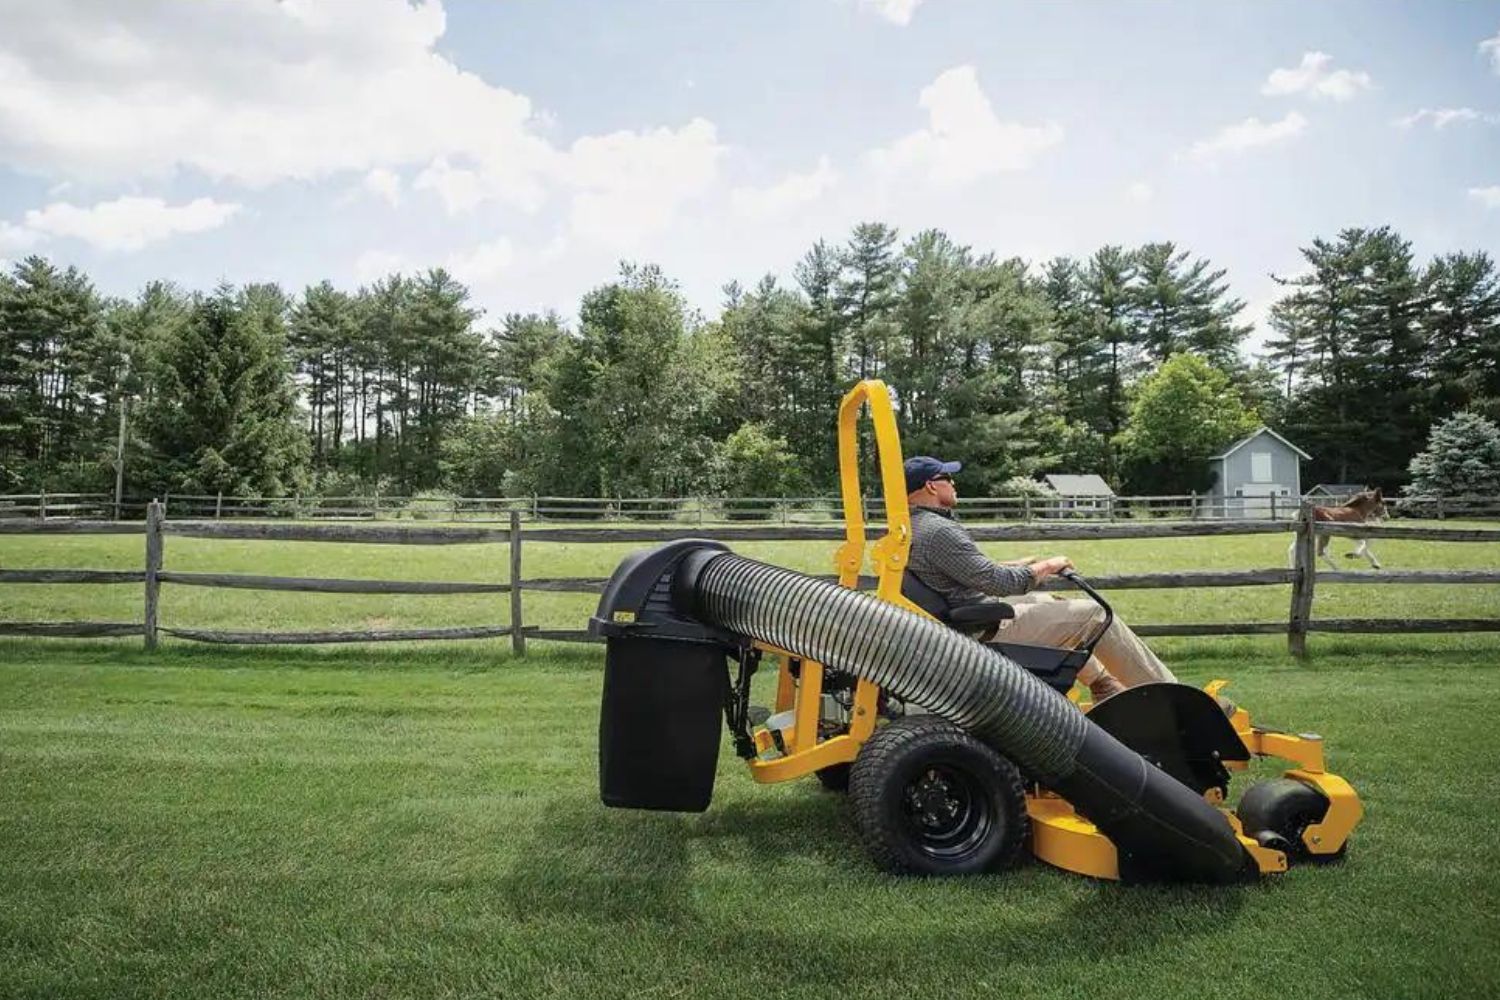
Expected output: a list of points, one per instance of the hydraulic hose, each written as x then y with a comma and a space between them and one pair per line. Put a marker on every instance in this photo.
1160, 827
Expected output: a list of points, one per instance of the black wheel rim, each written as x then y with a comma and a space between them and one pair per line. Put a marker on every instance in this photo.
947, 811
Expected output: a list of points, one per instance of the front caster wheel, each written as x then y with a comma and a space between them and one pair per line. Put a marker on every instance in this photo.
1277, 813
930, 799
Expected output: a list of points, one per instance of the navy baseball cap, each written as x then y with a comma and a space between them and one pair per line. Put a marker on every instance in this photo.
923, 468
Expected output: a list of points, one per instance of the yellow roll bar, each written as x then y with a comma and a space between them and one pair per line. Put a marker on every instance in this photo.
890, 552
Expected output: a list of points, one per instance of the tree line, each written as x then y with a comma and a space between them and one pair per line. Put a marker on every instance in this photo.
1129, 362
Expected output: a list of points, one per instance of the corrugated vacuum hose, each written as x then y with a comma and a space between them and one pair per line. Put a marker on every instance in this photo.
1161, 828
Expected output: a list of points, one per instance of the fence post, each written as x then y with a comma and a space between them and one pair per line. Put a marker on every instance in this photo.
219, 506
154, 516
1273, 506
1305, 563
517, 637
1439, 508
41, 508
1026, 508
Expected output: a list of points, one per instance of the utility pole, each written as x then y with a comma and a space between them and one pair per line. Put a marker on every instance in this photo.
120, 445
120, 459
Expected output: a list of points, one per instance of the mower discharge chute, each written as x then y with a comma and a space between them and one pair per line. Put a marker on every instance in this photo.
955, 752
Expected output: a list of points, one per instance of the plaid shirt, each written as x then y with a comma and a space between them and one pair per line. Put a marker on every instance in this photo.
944, 557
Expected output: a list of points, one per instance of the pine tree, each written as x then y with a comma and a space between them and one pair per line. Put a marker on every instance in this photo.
1462, 324
224, 416
824, 339
1112, 322
1184, 306
321, 334
1324, 318
865, 297
50, 324
445, 364
1462, 458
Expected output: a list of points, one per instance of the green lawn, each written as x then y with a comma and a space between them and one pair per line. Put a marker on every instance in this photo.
422, 820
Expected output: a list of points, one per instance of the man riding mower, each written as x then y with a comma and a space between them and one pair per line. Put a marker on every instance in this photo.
958, 754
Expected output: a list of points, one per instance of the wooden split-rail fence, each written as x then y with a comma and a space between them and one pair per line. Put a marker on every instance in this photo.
1302, 576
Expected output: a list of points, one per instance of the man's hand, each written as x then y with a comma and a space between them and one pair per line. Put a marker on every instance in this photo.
1023, 561
1043, 568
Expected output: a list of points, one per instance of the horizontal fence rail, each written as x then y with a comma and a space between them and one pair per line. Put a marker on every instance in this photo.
784, 510
370, 635
71, 630
324, 585
1302, 576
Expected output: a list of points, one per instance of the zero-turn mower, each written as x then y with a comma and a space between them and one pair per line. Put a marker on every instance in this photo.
956, 754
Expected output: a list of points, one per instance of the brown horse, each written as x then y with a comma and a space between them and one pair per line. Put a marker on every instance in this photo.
1363, 507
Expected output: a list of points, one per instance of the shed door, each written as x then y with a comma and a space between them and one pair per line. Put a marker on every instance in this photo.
1260, 467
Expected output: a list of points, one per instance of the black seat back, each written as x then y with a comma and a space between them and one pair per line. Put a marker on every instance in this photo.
924, 597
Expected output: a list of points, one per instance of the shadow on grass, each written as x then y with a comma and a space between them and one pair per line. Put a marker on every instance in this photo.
785, 877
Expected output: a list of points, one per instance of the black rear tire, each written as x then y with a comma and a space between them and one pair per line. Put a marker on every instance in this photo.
1277, 813
834, 777
930, 799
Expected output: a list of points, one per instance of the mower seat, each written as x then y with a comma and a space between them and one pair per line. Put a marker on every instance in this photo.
965, 618
1057, 668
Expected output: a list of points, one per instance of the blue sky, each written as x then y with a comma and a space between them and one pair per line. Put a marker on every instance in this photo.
530, 146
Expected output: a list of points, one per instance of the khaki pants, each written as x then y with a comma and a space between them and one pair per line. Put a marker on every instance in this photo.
1045, 620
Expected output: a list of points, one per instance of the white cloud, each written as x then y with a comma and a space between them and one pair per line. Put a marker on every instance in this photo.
461, 190
254, 93
1312, 76
630, 184
127, 223
482, 263
897, 12
1489, 197
1443, 117
1491, 47
372, 265
16, 238
1140, 193
964, 139
1248, 134
248, 92
384, 184
790, 192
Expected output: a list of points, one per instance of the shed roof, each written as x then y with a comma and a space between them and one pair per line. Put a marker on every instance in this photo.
1251, 437
1078, 486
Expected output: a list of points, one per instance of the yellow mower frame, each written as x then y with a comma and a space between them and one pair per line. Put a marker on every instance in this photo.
1059, 835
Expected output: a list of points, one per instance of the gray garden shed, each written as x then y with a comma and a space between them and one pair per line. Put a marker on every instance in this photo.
1259, 475
1079, 493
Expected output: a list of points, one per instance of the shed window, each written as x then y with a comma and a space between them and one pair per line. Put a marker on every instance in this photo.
1260, 467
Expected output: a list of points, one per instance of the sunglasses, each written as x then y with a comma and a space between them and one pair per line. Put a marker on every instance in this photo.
944, 478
